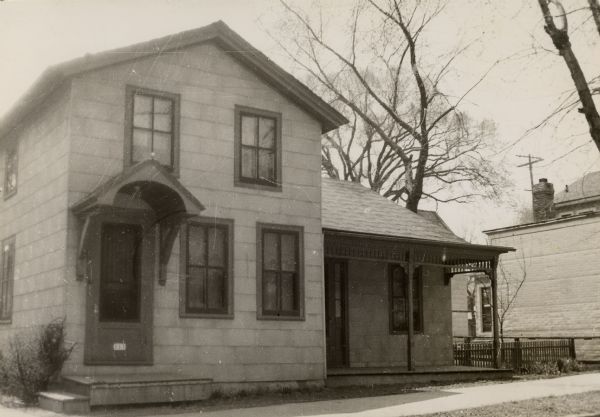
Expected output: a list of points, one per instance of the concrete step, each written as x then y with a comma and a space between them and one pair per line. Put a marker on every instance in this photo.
138, 389
64, 402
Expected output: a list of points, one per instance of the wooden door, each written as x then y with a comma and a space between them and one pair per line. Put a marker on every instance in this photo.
336, 312
120, 322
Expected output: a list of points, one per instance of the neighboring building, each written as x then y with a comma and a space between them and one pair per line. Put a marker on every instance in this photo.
166, 199
557, 255
472, 306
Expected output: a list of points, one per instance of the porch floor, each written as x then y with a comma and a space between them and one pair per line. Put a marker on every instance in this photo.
400, 375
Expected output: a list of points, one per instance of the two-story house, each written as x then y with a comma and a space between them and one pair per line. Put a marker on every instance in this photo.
166, 199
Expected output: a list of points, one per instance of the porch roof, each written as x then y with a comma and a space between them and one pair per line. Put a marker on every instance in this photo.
351, 207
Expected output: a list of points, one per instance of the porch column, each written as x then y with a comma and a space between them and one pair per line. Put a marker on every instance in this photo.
411, 324
496, 317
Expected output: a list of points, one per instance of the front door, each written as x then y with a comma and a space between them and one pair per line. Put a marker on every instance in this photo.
336, 314
120, 300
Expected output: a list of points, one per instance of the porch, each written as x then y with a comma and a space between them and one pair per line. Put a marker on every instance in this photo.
422, 375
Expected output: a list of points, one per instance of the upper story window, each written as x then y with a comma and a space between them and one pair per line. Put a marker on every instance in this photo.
258, 148
152, 127
399, 300
206, 286
280, 281
10, 172
7, 276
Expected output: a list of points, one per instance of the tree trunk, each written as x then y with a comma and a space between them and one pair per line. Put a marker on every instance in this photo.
561, 41
595, 7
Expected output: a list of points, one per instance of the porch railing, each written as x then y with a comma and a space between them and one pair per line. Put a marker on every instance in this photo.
516, 354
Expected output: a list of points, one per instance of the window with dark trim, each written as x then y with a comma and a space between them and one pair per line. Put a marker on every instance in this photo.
486, 309
10, 172
258, 148
398, 287
7, 276
280, 282
152, 127
207, 261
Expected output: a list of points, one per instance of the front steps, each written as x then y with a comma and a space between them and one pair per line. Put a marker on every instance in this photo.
77, 394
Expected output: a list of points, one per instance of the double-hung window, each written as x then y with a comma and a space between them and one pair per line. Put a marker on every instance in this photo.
10, 172
398, 288
207, 262
7, 276
258, 148
152, 127
486, 309
280, 273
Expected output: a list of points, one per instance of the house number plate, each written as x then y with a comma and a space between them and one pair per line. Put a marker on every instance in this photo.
119, 346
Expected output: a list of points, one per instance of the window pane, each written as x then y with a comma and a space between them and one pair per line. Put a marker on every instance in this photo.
216, 246
269, 300
249, 130
162, 114
399, 321
142, 111
141, 146
270, 251
216, 289
266, 133
11, 172
398, 289
288, 253
266, 165
196, 245
195, 288
162, 148
288, 292
248, 162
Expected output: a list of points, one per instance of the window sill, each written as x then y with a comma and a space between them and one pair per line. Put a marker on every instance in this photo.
225, 316
257, 185
9, 195
267, 317
405, 333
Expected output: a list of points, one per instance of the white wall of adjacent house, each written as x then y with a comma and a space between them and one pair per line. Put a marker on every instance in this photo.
210, 83
37, 215
561, 293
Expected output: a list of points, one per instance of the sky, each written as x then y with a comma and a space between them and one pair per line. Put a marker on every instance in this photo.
520, 90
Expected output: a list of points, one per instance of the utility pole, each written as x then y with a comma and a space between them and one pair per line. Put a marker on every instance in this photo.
530, 161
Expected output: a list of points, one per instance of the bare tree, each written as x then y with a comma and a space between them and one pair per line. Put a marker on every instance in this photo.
559, 34
407, 139
509, 286
595, 8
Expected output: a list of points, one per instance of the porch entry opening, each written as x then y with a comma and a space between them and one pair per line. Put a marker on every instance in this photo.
336, 313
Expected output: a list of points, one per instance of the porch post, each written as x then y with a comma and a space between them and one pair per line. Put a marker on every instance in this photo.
496, 317
411, 324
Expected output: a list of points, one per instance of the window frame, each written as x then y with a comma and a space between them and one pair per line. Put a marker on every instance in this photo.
130, 92
487, 288
7, 297
418, 277
11, 151
261, 228
256, 183
228, 312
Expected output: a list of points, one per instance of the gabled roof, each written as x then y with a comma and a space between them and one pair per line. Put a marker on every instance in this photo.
218, 32
584, 189
351, 207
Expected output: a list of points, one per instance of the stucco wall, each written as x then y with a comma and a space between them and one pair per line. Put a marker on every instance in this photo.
37, 214
561, 292
370, 341
210, 83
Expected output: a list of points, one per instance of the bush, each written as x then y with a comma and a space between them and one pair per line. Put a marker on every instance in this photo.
566, 365
543, 368
33, 361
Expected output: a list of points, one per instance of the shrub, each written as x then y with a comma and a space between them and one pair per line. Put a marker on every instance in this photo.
33, 361
566, 365
543, 368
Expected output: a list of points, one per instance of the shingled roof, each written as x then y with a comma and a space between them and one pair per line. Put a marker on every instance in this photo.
217, 32
585, 188
351, 207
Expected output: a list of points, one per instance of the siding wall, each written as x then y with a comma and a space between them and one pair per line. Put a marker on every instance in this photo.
371, 343
37, 214
561, 293
211, 83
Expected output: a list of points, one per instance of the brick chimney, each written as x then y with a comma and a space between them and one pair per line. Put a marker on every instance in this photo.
543, 200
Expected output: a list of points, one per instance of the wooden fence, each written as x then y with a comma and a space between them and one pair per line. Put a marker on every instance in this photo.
517, 354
